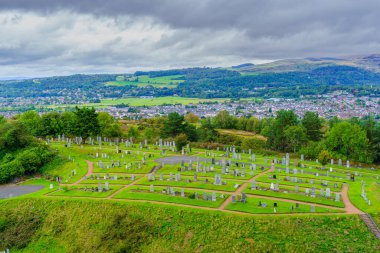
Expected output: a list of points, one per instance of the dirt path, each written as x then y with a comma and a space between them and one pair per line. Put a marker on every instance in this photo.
349, 207
241, 188
90, 170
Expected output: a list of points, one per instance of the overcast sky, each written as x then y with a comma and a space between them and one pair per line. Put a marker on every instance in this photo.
59, 37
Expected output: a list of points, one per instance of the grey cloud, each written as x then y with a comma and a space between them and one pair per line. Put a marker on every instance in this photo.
189, 32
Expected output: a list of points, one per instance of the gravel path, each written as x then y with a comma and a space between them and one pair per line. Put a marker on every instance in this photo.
179, 159
7, 191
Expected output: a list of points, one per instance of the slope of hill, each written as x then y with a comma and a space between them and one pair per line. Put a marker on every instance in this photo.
101, 226
367, 62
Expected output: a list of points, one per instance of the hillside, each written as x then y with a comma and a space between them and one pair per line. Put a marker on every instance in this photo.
94, 226
366, 62
292, 78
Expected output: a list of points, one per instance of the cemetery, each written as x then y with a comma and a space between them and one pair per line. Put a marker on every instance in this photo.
225, 179
175, 194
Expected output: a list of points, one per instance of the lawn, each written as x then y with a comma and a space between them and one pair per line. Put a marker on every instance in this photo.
143, 193
200, 183
254, 205
295, 196
78, 191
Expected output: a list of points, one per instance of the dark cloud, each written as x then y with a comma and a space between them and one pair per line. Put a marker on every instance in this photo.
84, 35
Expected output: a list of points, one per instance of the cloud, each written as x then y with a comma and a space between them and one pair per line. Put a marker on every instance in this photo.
44, 37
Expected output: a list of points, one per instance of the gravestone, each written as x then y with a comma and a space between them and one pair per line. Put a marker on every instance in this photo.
243, 198
313, 191
233, 200
213, 197
312, 209
151, 189
253, 185
218, 179
328, 192
106, 186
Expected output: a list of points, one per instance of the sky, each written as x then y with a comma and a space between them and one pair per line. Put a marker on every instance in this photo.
62, 37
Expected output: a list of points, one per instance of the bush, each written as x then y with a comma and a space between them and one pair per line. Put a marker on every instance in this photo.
253, 143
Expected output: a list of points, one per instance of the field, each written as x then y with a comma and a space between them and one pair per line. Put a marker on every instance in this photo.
141, 101
143, 81
296, 198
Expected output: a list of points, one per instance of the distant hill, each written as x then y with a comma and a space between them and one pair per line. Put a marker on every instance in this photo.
366, 62
292, 78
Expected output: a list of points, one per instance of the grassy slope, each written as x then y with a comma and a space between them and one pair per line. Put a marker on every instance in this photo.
163, 81
101, 226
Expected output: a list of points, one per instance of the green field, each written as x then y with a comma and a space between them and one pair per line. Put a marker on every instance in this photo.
139, 101
143, 81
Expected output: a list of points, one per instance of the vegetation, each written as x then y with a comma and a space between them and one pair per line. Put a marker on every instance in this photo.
20, 153
198, 83
74, 226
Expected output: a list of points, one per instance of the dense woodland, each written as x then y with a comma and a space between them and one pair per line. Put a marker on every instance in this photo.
22, 150
203, 83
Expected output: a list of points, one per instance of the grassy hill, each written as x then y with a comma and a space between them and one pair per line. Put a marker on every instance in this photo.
46, 225
367, 62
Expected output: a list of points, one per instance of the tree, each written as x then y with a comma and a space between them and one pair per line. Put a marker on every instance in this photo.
324, 157
68, 123
51, 124
225, 121
313, 124
180, 141
32, 121
109, 127
133, 132
173, 125
150, 133
191, 118
296, 137
276, 134
348, 140
13, 136
207, 131
86, 122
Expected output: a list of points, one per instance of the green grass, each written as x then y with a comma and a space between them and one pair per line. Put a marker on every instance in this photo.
143, 81
52, 225
78, 191
143, 193
200, 183
120, 180
372, 190
252, 206
295, 196
138, 101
